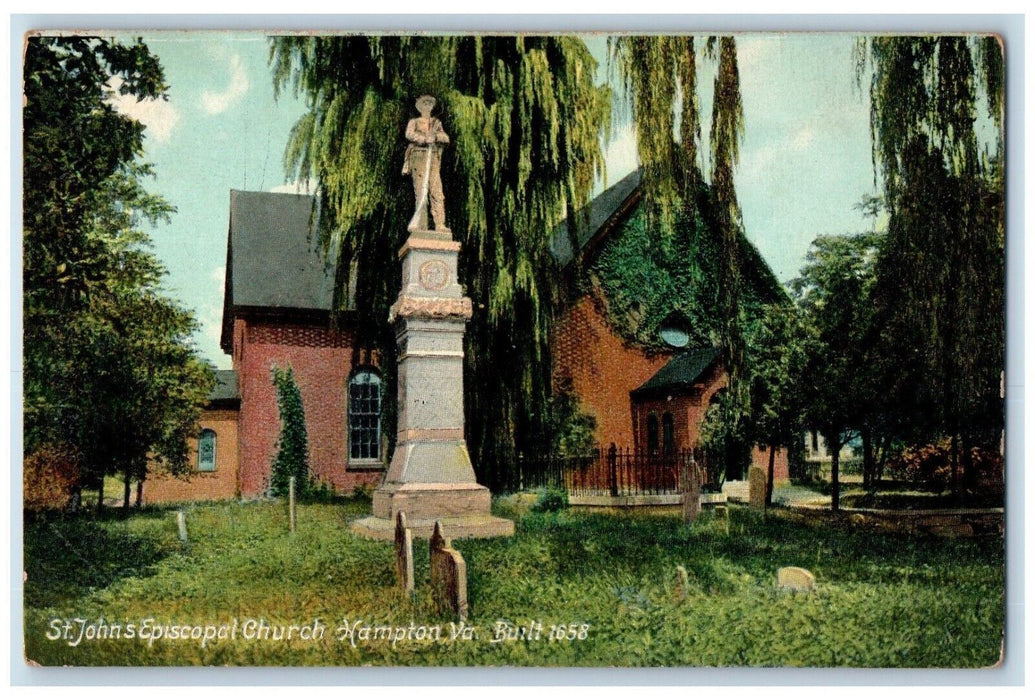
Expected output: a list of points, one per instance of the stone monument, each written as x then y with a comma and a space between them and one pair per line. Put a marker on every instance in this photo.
448, 575
796, 579
431, 476
403, 554
691, 478
756, 490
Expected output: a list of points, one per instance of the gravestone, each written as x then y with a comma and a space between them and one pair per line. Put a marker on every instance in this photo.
448, 575
723, 513
796, 579
430, 476
181, 525
756, 490
403, 554
691, 478
682, 583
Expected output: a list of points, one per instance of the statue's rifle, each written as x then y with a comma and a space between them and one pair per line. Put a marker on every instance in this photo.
424, 188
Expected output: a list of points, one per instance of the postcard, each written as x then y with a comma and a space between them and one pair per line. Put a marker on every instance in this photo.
515, 349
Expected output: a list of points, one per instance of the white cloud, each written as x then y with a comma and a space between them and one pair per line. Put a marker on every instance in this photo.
296, 187
803, 138
757, 163
755, 59
621, 155
211, 320
218, 102
158, 116
219, 274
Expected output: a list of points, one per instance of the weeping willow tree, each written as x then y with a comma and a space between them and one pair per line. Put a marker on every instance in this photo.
941, 271
525, 121
659, 78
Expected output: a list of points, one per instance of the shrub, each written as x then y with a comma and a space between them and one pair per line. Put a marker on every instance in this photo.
725, 446
927, 465
50, 478
931, 466
321, 492
363, 492
550, 500
574, 431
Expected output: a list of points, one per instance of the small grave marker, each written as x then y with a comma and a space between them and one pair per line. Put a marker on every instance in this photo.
181, 525
756, 484
691, 490
796, 579
448, 575
723, 513
291, 504
403, 554
682, 583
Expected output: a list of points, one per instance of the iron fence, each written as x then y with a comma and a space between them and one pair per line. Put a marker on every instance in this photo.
612, 471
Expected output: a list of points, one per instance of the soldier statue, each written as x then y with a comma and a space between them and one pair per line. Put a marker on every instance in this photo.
422, 161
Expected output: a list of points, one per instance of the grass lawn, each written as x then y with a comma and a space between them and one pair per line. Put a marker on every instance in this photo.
882, 599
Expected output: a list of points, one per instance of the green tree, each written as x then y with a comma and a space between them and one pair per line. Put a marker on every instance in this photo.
525, 120
110, 370
834, 296
941, 271
292, 458
777, 357
659, 75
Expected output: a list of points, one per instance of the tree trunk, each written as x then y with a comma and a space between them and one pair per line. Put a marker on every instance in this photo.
868, 475
125, 493
100, 496
772, 473
835, 486
140, 493
954, 456
969, 476
882, 460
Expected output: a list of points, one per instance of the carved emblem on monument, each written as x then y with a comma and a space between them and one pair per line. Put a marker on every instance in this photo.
433, 275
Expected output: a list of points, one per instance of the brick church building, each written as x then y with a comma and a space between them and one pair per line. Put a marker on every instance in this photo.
276, 313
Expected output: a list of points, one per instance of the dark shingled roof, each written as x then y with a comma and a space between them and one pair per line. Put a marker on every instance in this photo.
275, 261
226, 386
609, 204
681, 372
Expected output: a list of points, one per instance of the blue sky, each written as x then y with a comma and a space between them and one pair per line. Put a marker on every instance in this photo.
805, 157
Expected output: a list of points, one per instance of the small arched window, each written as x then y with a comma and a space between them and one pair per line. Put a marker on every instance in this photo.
652, 434
365, 415
668, 437
207, 451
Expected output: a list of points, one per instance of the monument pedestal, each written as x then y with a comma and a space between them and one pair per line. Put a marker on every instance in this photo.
431, 477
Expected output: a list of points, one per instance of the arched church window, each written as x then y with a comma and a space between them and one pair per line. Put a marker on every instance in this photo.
668, 437
652, 434
365, 415
207, 451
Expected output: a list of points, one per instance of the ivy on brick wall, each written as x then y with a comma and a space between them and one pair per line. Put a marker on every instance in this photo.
647, 277
292, 457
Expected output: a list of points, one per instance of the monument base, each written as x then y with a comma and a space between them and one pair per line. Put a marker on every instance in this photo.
462, 508
477, 525
421, 501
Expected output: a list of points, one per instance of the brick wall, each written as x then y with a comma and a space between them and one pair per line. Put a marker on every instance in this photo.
322, 362
687, 411
781, 467
601, 368
203, 486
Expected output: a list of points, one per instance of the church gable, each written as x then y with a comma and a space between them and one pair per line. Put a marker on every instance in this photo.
274, 263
